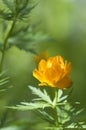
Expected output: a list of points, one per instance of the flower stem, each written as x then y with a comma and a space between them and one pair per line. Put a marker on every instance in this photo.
5, 45
8, 36
55, 109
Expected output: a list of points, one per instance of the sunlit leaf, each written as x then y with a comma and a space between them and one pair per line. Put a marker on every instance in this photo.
11, 128
42, 95
30, 106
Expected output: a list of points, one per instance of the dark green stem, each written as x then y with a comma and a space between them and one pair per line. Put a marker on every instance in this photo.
5, 45
4, 116
8, 36
55, 109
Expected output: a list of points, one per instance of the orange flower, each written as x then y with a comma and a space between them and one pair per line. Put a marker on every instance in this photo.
53, 72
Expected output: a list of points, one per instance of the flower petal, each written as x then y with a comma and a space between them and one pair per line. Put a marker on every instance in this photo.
38, 75
42, 66
64, 83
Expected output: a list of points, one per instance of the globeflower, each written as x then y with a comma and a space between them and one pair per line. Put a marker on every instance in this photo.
53, 72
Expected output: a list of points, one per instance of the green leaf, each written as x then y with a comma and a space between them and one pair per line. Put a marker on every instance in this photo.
9, 4
60, 97
42, 95
6, 15
11, 128
4, 82
47, 117
30, 106
52, 128
23, 34
8, 7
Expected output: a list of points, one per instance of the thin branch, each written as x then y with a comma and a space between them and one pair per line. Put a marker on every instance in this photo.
8, 36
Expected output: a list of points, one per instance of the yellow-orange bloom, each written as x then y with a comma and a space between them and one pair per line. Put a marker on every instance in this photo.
53, 72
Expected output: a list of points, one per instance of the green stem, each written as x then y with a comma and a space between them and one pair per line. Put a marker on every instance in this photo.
4, 116
8, 36
5, 45
55, 109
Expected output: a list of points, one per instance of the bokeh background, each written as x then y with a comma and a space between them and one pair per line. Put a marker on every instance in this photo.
59, 28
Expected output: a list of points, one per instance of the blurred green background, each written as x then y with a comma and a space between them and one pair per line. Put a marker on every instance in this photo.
59, 27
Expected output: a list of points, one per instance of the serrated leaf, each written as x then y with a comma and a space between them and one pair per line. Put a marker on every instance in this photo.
42, 95
46, 116
30, 106
60, 92
8, 4
79, 111
6, 15
60, 97
4, 81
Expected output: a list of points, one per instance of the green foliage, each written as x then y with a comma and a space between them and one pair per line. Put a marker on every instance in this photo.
42, 95
4, 82
31, 106
21, 8
26, 39
21, 33
67, 114
12, 128
13, 11
46, 117
42, 101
